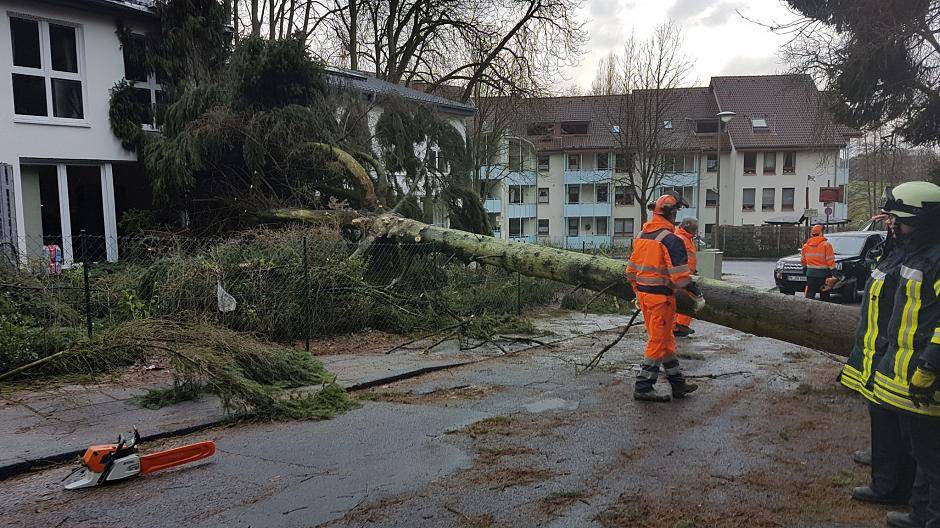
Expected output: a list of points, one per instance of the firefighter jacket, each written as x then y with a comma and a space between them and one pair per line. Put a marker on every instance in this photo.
871, 335
913, 329
688, 239
659, 263
818, 257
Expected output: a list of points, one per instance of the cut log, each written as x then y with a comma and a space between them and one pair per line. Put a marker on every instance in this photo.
818, 325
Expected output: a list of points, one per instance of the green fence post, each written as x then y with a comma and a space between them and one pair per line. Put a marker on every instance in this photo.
306, 297
85, 282
518, 294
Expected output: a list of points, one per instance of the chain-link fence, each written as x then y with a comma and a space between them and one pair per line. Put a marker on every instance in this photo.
292, 285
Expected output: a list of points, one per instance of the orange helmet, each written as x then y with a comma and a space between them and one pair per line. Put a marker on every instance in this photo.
817, 230
668, 203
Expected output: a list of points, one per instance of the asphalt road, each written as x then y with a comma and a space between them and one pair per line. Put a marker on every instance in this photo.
756, 273
521, 441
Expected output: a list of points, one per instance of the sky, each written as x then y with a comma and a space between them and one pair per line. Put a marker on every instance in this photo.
717, 38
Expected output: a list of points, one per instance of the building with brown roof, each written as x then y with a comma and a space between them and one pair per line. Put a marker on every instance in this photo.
562, 175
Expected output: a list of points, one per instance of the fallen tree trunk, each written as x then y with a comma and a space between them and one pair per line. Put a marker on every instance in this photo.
818, 325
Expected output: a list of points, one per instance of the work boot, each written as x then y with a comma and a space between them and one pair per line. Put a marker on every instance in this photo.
866, 494
862, 457
681, 389
650, 396
898, 519
681, 331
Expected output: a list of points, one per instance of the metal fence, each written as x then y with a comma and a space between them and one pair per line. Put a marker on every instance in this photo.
289, 285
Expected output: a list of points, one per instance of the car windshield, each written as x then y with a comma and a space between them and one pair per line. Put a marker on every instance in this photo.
847, 245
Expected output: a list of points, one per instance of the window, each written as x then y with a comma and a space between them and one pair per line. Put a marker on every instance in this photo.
574, 162
515, 194
623, 227
687, 192
770, 163
574, 128
621, 162
679, 163
538, 129
788, 197
543, 226
574, 194
748, 202
667, 124
769, 196
47, 81
543, 195
615, 129
603, 160
759, 123
708, 126
572, 227
789, 162
750, 163
544, 162
149, 93
623, 195
711, 163
711, 198
516, 155
601, 193
515, 227
600, 225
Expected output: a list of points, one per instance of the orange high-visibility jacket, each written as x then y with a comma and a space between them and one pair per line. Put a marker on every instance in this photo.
689, 240
817, 253
659, 263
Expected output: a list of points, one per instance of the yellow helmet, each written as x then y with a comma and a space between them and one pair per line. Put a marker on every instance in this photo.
912, 199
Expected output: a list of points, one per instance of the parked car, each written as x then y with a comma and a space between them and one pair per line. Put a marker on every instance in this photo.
856, 254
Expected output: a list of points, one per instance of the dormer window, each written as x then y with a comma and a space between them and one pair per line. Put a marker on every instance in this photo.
706, 126
538, 129
615, 129
667, 124
759, 123
573, 128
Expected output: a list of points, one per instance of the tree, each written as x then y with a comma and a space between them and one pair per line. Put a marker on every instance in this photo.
880, 59
643, 85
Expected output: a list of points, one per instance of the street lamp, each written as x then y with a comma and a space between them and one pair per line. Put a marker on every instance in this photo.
723, 119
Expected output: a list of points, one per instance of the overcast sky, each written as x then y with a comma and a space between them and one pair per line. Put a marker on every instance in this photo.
717, 38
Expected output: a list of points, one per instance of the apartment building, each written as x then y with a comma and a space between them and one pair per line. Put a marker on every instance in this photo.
561, 177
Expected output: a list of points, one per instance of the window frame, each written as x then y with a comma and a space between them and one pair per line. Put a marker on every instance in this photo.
519, 222
597, 224
519, 193
628, 197
783, 203
538, 162
753, 157
709, 202
709, 166
538, 195
597, 193
46, 72
772, 169
577, 226
623, 232
152, 86
597, 161
792, 168
538, 227
744, 205
569, 157
764, 206
568, 188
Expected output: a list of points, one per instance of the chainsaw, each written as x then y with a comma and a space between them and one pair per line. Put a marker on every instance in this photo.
113, 462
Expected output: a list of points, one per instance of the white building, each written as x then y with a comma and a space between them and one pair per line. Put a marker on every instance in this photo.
560, 179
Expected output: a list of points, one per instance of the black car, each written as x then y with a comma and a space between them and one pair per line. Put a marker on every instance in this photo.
856, 253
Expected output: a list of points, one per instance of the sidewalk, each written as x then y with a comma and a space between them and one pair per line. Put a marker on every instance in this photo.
52, 425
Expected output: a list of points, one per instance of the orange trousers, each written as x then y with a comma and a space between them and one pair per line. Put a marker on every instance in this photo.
684, 320
659, 315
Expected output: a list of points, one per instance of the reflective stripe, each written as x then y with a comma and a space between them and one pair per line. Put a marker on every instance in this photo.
871, 334
850, 379
677, 269
936, 337
905, 352
900, 402
912, 274
650, 269
877, 274
936, 287
652, 281
662, 235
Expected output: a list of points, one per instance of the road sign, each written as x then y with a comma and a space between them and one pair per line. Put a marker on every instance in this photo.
828, 211
811, 213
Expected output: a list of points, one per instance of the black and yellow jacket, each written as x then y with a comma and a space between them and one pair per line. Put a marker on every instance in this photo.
871, 335
914, 330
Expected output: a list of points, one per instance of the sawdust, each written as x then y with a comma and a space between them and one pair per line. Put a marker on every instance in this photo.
500, 478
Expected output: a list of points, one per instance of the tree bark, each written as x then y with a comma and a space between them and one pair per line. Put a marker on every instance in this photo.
818, 325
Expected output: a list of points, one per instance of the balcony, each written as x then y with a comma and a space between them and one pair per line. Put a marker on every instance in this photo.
493, 206
588, 176
522, 210
510, 177
587, 209
588, 241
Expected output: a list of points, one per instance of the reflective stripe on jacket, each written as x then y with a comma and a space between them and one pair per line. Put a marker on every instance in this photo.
659, 263
912, 330
871, 338
688, 239
817, 253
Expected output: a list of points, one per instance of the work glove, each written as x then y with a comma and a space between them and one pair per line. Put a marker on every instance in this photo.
696, 295
923, 387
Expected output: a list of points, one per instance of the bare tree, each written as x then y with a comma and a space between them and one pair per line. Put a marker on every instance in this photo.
643, 85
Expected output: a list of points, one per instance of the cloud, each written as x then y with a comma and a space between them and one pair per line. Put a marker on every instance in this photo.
607, 26
693, 12
721, 14
744, 65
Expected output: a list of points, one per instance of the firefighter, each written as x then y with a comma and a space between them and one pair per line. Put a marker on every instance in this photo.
819, 261
657, 268
892, 467
906, 377
686, 231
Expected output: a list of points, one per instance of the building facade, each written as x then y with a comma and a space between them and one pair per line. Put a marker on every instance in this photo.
562, 178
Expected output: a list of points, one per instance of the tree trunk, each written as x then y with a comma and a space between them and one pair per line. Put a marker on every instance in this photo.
353, 35
818, 325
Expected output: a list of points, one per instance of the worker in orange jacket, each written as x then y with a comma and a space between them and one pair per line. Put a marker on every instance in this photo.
658, 266
819, 261
686, 231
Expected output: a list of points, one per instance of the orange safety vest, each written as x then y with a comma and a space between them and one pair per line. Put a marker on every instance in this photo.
689, 240
817, 253
659, 263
